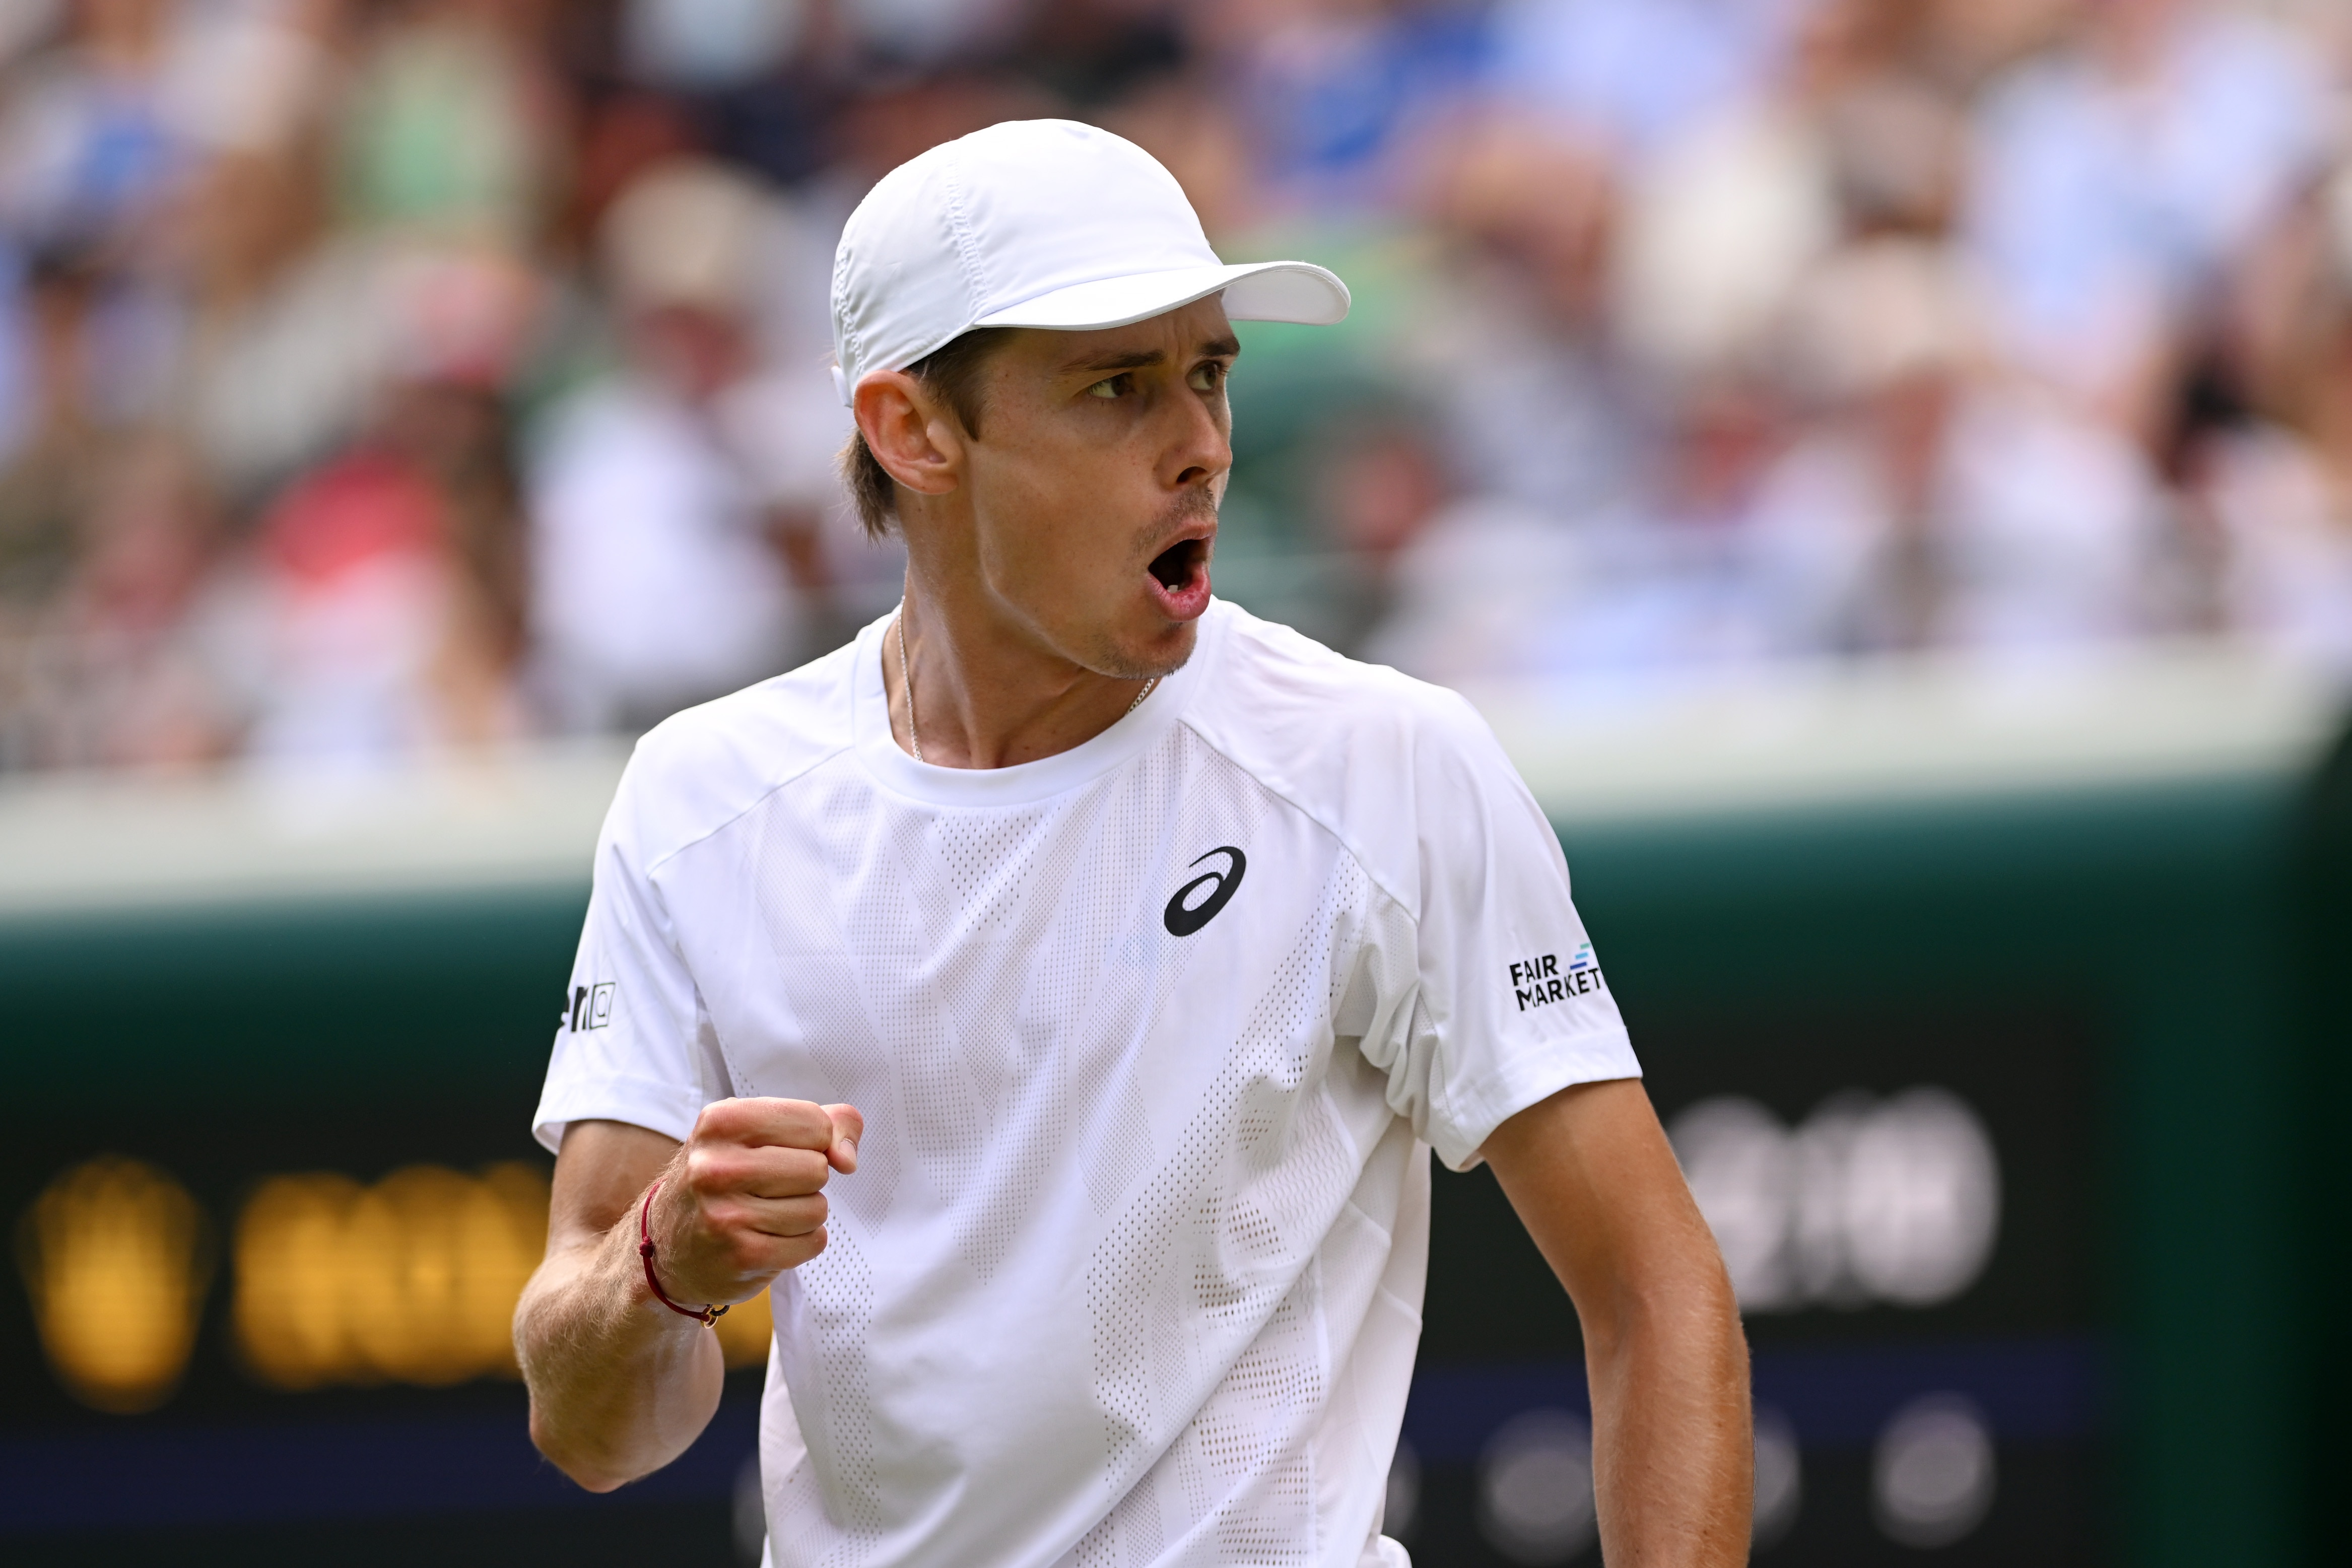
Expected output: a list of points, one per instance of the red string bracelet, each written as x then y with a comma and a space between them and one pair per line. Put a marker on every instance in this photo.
646, 1250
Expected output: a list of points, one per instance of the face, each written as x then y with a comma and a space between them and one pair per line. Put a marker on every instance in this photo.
1082, 516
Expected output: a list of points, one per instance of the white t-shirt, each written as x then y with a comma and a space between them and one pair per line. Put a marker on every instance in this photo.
1149, 1035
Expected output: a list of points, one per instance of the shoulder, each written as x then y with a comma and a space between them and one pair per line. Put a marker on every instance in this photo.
1272, 686
1374, 755
700, 770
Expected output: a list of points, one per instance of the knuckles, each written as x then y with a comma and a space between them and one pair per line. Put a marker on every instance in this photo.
714, 1171
745, 1254
745, 1228
699, 1175
791, 1123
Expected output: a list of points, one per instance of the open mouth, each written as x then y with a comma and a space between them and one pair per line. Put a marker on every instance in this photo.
1180, 578
1180, 563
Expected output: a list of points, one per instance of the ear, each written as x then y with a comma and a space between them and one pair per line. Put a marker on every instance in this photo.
918, 443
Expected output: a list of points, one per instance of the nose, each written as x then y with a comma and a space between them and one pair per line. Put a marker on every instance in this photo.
1202, 449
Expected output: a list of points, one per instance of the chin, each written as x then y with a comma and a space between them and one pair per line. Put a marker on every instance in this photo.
1161, 651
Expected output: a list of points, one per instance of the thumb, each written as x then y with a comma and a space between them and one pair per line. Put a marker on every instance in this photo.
848, 1126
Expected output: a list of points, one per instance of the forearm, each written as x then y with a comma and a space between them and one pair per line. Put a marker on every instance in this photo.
1590, 1174
1672, 1472
620, 1385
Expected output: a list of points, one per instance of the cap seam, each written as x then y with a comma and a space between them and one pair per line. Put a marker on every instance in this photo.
967, 248
847, 351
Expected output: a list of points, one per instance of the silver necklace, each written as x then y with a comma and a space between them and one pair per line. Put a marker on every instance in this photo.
906, 679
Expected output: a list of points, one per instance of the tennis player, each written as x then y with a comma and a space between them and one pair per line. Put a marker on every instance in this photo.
1155, 948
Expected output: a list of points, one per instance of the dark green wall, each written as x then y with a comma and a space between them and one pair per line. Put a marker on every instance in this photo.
2157, 912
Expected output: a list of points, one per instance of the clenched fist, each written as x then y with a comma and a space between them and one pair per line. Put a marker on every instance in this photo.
743, 1198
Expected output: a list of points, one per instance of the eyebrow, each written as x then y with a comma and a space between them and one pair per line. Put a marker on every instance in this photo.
1144, 358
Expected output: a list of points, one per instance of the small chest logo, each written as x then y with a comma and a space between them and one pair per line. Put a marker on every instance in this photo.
1539, 982
1186, 912
592, 1006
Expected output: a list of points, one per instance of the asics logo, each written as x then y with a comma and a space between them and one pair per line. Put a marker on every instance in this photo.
1187, 913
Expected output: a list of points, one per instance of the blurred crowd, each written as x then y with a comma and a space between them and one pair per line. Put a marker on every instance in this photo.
385, 375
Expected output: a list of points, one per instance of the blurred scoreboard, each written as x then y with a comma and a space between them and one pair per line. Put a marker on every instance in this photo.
1906, 1202
1944, 1080
274, 1194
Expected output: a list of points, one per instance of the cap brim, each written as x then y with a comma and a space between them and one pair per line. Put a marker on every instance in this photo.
1259, 291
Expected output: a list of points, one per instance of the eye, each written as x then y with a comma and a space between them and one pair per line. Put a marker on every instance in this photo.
1207, 376
1112, 387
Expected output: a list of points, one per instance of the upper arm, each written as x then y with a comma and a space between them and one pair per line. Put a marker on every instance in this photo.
601, 1170
635, 1042
1594, 1181
1509, 1004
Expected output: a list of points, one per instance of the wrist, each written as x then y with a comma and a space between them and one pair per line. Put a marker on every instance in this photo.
649, 1252
623, 1272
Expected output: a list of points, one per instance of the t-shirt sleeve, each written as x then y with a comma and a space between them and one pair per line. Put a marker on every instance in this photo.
634, 1043
1509, 1002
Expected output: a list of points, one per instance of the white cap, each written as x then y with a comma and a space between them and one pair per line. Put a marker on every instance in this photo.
1038, 223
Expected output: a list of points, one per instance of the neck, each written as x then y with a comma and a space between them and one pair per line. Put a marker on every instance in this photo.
988, 693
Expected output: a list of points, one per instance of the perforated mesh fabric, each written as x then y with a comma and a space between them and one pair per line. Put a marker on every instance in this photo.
1018, 1003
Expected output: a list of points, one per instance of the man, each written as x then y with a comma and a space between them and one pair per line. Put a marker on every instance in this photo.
678, 503
1154, 942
